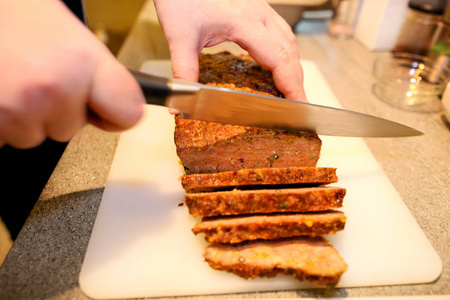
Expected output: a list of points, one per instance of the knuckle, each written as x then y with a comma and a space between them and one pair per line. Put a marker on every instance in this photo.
83, 55
46, 87
284, 55
292, 40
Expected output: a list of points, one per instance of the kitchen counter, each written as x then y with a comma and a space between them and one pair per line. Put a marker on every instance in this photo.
45, 260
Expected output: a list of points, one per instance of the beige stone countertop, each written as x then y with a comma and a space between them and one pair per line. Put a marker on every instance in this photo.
45, 260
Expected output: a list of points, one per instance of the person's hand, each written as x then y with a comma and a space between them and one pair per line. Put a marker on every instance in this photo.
191, 25
56, 75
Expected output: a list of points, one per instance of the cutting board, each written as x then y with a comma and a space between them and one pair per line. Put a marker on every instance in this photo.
142, 244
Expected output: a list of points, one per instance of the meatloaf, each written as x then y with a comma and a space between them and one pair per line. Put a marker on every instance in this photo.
258, 177
208, 147
306, 258
237, 229
238, 202
259, 191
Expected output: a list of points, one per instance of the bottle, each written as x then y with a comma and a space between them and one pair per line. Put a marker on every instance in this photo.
342, 23
439, 53
422, 20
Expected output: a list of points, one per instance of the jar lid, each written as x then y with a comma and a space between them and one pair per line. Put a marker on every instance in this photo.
435, 7
446, 17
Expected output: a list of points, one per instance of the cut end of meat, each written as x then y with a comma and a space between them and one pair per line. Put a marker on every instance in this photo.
208, 147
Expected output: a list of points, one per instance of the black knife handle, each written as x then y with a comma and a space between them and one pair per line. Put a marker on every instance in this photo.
156, 89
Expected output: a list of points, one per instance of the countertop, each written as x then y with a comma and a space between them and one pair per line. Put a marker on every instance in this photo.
46, 258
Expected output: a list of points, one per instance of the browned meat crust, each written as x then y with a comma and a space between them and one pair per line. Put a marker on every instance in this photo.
236, 72
307, 259
258, 177
238, 202
269, 227
208, 147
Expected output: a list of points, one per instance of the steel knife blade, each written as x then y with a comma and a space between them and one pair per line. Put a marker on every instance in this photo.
221, 105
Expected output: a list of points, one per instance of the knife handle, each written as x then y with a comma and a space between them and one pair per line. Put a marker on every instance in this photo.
156, 89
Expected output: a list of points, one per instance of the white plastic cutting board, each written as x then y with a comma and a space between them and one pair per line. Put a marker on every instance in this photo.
142, 244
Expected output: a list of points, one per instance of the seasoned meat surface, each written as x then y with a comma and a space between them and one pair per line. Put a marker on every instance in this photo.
238, 229
208, 147
258, 177
238, 202
236, 72
307, 259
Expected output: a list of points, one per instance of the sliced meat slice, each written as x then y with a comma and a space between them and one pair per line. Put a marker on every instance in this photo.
258, 177
269, 227
307, 259
237, 202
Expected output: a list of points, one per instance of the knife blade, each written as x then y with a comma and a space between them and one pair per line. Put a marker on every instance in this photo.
221, 105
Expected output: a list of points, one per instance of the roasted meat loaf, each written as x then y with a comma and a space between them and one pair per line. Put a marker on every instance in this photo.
258, 177
237, 202
307, 259
237, 229
208, 147
260, 194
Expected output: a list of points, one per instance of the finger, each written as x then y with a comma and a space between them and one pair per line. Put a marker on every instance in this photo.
115, 102
183, 38
45, 106
18, 133
173, 111
66, 123
279, 27
68, 113
184, 57
22, 114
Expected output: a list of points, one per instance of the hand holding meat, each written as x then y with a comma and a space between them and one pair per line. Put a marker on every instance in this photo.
191, 25
56, 76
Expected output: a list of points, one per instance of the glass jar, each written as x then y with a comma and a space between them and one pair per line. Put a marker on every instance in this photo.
439, 53
417, 31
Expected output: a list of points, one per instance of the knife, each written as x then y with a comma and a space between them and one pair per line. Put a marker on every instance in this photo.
207, 103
